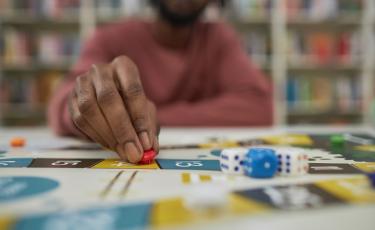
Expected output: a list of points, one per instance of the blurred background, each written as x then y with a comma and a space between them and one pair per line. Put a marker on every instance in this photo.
320, 54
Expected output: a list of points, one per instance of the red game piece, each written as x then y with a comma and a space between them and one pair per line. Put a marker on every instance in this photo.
148, 157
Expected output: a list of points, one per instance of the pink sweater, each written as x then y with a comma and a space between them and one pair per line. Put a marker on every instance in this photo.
211, 82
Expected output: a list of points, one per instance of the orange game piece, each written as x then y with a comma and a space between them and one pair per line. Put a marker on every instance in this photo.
17, 142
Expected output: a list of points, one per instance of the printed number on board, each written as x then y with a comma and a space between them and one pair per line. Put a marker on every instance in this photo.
187, 164
61, 163
15, 162
6, 163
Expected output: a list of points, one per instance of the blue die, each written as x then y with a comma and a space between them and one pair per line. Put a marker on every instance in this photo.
371, 177
261, 163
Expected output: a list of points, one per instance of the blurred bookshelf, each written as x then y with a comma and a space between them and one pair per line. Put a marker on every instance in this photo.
39, 42
322, 35
252, 19
320, 54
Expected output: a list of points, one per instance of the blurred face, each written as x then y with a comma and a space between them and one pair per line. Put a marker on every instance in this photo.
181, 12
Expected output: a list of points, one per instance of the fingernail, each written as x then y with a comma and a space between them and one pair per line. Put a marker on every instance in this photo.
145, 140
121, 152
132, 152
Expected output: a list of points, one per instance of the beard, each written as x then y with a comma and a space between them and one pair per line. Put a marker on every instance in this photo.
176, 19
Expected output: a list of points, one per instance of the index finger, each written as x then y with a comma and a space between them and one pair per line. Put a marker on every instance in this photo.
135, 100
115, 113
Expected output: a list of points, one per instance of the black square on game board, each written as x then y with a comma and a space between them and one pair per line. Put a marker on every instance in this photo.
323, 168
63, 163
291, 197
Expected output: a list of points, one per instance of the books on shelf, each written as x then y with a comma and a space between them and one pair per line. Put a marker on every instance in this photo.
21, 48
323, 94
258, 46
351, 5
117, 8
320, 10
55, 48
247, 10
53, 9
323, 48
32, 93
16, 47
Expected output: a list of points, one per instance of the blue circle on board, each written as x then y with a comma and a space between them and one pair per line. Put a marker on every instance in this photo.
17, 187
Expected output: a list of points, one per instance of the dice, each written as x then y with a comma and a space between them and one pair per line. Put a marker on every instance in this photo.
232, 160
261, 163
371, 177
292, 161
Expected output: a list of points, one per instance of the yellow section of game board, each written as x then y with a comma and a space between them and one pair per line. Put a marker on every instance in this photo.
205, 178
186, 178
288, 139
223, 144
367, 148
171, 212
191, 178
366, 167
6, 223
354, 190
117, 164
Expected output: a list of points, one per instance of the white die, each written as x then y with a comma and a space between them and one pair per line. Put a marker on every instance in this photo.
292, 161
232, 160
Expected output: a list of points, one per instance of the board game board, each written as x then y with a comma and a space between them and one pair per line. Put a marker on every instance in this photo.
81, 186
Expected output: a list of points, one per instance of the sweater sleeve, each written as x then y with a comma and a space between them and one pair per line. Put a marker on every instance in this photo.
58, 113
244, 98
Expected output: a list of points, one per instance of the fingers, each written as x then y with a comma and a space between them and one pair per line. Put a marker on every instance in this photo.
112, 107
89, 109
131, 90
81, 123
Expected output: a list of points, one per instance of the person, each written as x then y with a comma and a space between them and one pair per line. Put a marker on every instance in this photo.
174, 71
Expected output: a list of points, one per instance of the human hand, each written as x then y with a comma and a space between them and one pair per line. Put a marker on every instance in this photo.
108, 105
